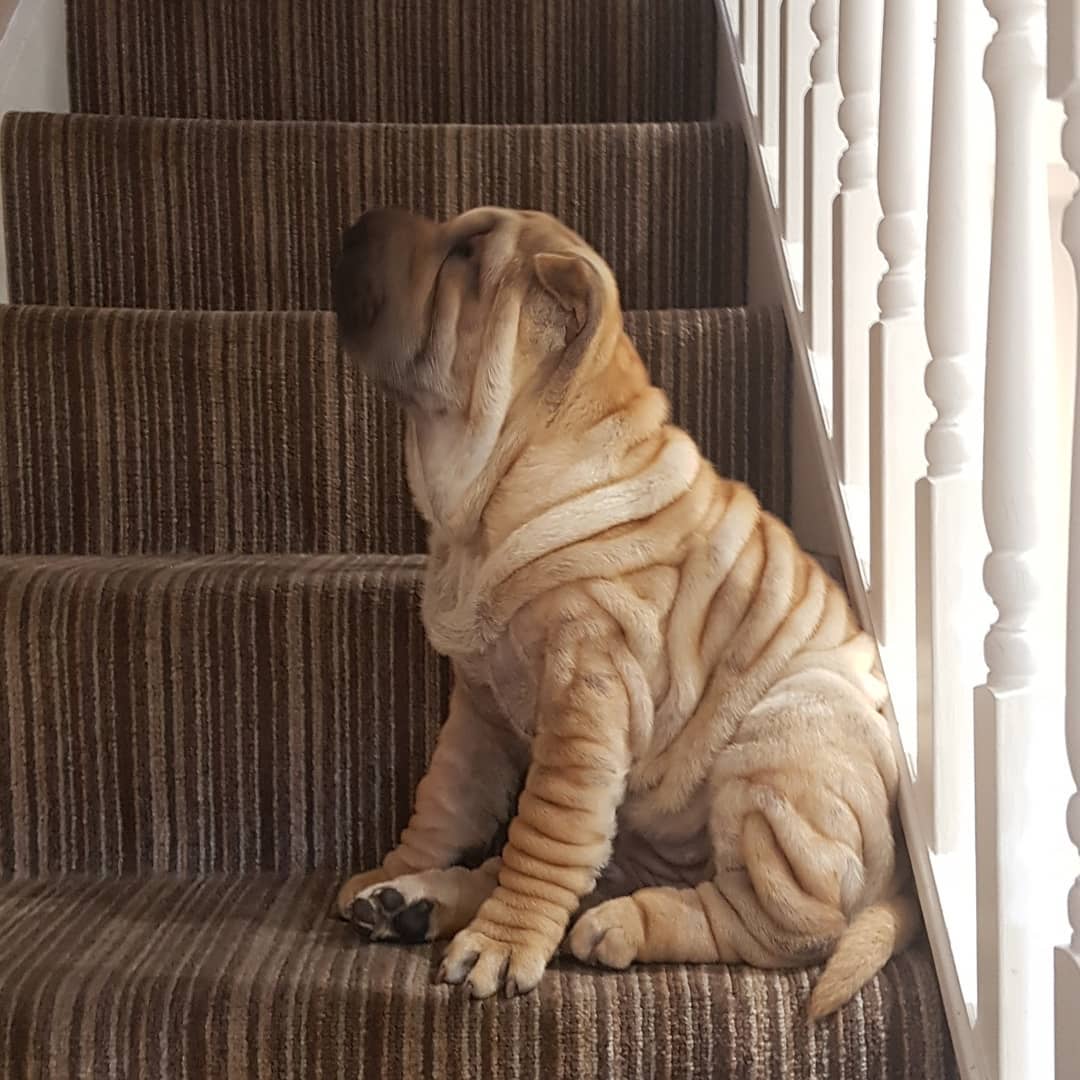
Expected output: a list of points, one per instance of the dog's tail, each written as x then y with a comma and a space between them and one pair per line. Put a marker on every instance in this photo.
872, 937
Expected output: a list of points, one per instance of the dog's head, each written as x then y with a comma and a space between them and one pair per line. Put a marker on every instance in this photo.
499, 330
464, 317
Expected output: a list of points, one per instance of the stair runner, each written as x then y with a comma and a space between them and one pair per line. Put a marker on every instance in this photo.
215, 692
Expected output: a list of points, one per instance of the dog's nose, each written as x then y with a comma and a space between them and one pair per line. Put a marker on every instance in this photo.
373, 265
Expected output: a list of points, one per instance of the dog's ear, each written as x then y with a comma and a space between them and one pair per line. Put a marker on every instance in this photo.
575, 286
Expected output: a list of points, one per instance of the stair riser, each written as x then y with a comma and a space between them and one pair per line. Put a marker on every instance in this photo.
113, 212
146, 432
228, 716
444, 61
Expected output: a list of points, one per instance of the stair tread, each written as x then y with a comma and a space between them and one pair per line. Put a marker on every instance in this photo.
482, 61
158, 431
223, 976
218, 214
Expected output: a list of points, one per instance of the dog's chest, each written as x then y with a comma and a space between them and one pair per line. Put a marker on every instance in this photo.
497, 660
452, 592
508, 676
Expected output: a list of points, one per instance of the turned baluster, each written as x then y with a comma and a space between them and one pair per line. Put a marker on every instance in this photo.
856, 259
1011, 705
748, 47
823, 144
1063, 37
898, 350
950, 539
795, 44
768, 75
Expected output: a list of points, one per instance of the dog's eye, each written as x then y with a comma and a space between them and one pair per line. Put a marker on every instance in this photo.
463, 249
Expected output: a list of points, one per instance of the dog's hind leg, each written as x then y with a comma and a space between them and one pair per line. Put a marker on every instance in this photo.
761, 916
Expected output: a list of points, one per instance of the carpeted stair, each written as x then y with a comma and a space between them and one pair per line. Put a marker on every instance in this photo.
215, 693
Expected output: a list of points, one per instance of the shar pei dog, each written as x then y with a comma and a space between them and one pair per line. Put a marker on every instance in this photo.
664, 740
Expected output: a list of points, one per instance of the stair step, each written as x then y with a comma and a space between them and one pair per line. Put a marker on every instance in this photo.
248, 215
152, 432
443, 61
205, 714
207, 979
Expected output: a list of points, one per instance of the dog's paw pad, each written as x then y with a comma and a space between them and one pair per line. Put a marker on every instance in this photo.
384, 913
362, 913
389, 899
412, 922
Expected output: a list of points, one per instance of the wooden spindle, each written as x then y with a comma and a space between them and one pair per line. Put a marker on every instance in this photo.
856, 259
1063, 54
823, 145
796, 40
898, 349
1008, 708
950, 543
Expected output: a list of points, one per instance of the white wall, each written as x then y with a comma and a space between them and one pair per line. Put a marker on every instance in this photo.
33, 72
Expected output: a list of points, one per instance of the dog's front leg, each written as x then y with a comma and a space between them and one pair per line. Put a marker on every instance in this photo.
464, 798
561, 836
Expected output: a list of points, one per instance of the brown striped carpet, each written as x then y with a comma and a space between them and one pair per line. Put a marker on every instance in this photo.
400, 61
149, 432
149, 722
186, 978
233, 215
215, 692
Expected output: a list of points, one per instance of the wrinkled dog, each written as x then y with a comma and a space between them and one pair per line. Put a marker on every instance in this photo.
671, 705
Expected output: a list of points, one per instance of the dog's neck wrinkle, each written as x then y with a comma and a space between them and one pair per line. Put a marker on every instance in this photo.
473, 593
566, 463
453, 499
529, 468
605, 458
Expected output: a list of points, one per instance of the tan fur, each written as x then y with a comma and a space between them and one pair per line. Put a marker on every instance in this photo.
687, 695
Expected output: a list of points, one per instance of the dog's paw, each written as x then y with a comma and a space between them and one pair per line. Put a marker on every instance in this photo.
485, 965
386, 913
417, 907
609, 935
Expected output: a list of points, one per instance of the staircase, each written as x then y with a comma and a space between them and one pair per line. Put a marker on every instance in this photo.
216, 697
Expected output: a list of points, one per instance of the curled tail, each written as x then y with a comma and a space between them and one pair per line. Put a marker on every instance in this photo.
872, 937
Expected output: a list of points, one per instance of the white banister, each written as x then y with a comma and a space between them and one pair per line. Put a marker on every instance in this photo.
1063, 57
925, 329
898, 349
948, 537
1013, 981
796, 40
823, 144
768, 73
748, 47
856, 260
